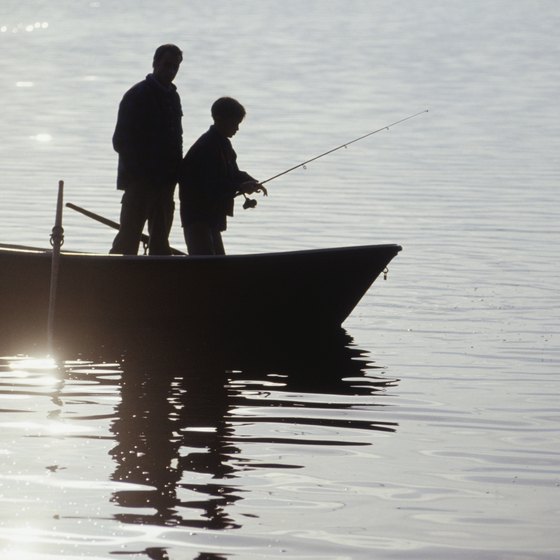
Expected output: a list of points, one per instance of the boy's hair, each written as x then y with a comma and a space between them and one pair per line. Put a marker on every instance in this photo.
168, 47
227, 107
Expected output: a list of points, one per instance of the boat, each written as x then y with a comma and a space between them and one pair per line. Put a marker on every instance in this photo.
244, 295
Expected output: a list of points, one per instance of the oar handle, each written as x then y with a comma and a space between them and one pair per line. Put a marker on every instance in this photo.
96, 217
144, 238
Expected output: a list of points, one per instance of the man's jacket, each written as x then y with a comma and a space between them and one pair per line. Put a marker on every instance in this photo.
149, 136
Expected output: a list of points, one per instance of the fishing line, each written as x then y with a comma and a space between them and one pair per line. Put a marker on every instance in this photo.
345, 145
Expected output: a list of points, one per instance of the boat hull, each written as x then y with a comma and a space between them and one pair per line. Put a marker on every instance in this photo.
209, 296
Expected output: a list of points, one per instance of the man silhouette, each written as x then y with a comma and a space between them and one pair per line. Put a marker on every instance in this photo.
149, 140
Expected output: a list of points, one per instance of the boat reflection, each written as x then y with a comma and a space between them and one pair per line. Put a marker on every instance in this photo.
176, 426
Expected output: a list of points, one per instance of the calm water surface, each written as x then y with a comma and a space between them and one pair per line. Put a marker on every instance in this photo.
431, 427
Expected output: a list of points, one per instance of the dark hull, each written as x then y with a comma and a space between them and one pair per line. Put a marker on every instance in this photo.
243, 295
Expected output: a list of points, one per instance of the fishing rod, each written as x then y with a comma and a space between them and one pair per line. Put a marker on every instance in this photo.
345, 145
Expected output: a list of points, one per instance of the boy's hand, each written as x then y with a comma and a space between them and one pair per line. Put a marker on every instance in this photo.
250, 187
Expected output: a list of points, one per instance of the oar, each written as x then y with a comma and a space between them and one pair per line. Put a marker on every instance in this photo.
57, 239
144, 238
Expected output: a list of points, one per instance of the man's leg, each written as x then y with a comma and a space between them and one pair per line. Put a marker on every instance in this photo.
160, 221
132, 220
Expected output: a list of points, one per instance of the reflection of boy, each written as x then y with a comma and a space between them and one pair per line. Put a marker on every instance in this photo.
210, 179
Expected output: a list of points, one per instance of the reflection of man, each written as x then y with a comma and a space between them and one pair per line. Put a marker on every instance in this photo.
177, 468
149, 140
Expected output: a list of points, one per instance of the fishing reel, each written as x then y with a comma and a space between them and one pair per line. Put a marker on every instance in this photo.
249, 202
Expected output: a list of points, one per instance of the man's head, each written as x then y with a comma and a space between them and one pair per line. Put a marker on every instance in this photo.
167, 60
227, 114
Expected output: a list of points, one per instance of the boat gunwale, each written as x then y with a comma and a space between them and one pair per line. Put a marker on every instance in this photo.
12, 248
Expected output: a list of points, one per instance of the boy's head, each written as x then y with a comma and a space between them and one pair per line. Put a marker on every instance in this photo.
227, 114
228, 108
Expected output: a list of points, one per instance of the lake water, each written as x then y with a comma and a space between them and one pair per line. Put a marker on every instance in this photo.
432, 429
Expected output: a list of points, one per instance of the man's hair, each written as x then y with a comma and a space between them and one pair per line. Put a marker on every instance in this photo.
163, 49
227, 107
